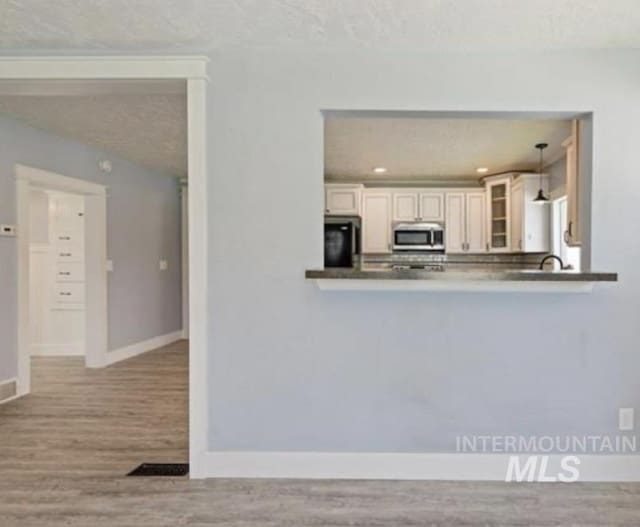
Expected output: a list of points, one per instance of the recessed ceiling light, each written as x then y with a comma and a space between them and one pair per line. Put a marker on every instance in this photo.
482, 170
379, 170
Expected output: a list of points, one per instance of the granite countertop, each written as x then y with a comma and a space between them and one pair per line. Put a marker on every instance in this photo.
387, 272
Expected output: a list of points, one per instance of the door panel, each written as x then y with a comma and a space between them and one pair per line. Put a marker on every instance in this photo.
475, 222
455, 223
431, 206
517, 219
405, 206
376, 223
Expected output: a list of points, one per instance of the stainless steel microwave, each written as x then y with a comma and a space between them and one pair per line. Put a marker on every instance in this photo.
418, 236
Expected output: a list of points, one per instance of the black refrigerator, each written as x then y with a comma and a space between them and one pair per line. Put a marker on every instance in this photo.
341, 241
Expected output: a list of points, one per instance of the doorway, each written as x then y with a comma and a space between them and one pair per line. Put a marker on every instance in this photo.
56, 72
75, 311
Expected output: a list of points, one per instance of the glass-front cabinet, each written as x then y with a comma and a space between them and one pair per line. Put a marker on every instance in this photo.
498, 213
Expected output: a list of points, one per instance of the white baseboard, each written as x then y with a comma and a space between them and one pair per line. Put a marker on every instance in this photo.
8, 390
453, 467
142, 347
58, 350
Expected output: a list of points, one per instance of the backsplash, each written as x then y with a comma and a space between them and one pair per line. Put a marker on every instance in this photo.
502, 261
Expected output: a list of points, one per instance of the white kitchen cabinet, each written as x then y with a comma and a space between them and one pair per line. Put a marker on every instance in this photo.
573, 235
342, 200
455, 222
406, 206
476, 221
498, 199
376, 222
418, 205
431, 206
465, 222
529, 220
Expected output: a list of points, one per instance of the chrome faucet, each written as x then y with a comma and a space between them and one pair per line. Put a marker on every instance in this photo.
553, 257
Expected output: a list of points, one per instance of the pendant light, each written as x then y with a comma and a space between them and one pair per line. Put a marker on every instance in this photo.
541, 197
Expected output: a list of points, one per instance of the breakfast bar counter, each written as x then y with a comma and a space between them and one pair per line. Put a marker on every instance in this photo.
385, 277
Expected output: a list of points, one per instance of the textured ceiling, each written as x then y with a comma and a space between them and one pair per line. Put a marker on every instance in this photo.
436, 148
434, 25
148, 129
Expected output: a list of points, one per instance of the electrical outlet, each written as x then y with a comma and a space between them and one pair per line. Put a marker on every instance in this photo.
7, 230
109, 266
164, 265
625, 419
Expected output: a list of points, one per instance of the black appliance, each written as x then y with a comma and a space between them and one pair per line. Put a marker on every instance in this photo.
341, 241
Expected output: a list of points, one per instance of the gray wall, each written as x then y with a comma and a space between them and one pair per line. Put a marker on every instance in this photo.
294, 368
143, 222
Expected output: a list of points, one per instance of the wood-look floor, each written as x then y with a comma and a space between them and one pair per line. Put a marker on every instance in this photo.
65, 448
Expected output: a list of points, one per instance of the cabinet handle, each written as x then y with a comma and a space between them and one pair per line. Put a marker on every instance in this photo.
520, 244
487, 246
327, 211
64, 273
65, 293
65, 254
64, 237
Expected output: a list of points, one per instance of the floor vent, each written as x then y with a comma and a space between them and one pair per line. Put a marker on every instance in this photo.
160, 469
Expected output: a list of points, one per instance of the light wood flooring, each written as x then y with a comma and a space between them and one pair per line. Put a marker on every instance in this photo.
64, 451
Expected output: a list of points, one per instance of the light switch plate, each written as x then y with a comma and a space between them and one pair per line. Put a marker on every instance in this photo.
7, 230
164, 265
625, 419
109, 266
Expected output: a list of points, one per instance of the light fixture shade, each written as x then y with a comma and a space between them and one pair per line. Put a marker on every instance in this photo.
541, 198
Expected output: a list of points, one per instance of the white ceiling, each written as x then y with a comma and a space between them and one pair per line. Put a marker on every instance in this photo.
142, 121
436, 148
433, 25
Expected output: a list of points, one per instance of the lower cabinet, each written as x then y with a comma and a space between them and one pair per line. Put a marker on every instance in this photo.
376, 222
465, 222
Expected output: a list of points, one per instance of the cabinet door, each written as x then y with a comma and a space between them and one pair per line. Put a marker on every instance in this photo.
376, 223
405, 206
431, 206
455, 239
517, 218
475, 222
499, 212
342, 200
572, 234
67, 213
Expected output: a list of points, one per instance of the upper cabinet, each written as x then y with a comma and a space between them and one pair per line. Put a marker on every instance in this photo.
376, 222
342, 200
529, 220
573, 234
416, 205
498, 195
465, 222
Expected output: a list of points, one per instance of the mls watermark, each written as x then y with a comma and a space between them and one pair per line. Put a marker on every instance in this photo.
546, 458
